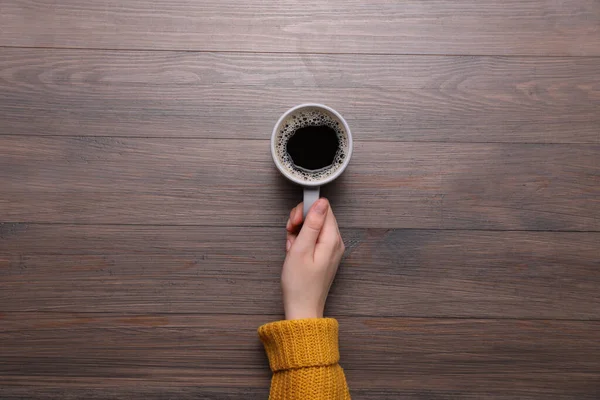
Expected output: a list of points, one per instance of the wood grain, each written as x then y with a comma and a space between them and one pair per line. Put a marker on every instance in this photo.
239, 95
407, 355
128, 389
234, 182
220, 270
141, 218
517, 27
146, 390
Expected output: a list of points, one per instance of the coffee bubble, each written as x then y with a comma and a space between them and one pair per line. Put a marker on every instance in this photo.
301, 118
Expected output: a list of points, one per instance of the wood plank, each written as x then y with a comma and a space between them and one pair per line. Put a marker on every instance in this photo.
142, 390
132, 269
517, 27
90, 388
233, 182
115, 389
538, 358
239, 95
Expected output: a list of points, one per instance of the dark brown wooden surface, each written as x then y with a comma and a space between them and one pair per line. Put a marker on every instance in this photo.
141, 218
234, 182
241, 95
192, 349
540, 27
221, 269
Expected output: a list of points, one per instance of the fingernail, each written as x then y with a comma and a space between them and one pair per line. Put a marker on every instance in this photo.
288, 245
288, 225
321, 206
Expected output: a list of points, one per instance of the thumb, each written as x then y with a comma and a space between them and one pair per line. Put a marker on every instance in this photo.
315, 219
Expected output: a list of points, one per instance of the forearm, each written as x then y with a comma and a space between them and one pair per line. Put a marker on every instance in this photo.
304, 356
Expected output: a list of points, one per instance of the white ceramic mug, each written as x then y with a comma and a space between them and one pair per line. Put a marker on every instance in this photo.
311, 187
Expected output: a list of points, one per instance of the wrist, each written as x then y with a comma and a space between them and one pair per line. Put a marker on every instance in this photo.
302, 314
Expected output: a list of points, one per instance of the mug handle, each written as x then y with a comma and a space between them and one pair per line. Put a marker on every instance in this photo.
311, 194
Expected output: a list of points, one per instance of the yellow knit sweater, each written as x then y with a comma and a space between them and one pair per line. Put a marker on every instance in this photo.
303, 355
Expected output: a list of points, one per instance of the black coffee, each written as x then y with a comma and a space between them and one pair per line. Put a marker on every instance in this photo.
313, 147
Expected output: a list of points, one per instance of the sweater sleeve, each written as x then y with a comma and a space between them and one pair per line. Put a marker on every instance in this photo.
303, 355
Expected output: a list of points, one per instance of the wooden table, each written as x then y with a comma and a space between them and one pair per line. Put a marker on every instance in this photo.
142, 219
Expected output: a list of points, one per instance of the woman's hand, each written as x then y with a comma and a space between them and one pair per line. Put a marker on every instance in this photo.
314, 252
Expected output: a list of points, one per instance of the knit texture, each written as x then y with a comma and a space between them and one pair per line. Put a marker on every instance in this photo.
304, 355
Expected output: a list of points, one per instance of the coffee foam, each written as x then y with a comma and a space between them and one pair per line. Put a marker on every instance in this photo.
301, 118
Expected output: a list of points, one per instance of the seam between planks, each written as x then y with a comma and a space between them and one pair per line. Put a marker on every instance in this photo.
297, 52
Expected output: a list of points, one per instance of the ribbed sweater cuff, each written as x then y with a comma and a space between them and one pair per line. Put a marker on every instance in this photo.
300, 343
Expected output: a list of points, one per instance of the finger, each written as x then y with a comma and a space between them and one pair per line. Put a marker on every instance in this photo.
289, 242
298, 218
290, 239
288, 225
293, 226
336, 224
330, 235
295, 220
315, 219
